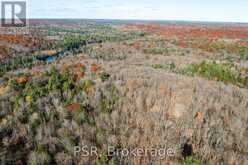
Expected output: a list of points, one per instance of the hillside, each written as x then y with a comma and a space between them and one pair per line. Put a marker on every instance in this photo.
177, 87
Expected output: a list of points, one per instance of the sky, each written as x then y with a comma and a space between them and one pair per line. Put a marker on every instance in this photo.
194, 10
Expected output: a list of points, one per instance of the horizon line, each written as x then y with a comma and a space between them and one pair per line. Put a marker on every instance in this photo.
145, 20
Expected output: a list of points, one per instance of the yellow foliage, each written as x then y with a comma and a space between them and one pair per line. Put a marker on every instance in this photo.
28, 98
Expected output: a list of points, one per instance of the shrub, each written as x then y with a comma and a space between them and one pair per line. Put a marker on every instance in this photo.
190, 160
104, 76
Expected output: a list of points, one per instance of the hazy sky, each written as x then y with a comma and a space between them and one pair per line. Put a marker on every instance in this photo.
207, 10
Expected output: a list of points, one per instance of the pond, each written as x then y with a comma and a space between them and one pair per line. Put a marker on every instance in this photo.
47, 58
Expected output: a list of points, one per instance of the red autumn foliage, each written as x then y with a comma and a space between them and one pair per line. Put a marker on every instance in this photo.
203, 37
243, 43
73, 107
194, 31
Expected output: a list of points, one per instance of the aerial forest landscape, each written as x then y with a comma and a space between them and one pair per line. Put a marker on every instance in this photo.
152, 92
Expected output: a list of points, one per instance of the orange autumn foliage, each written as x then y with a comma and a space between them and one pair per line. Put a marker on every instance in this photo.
79, 71
199, 116
4, 52
94, 68
22, 80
